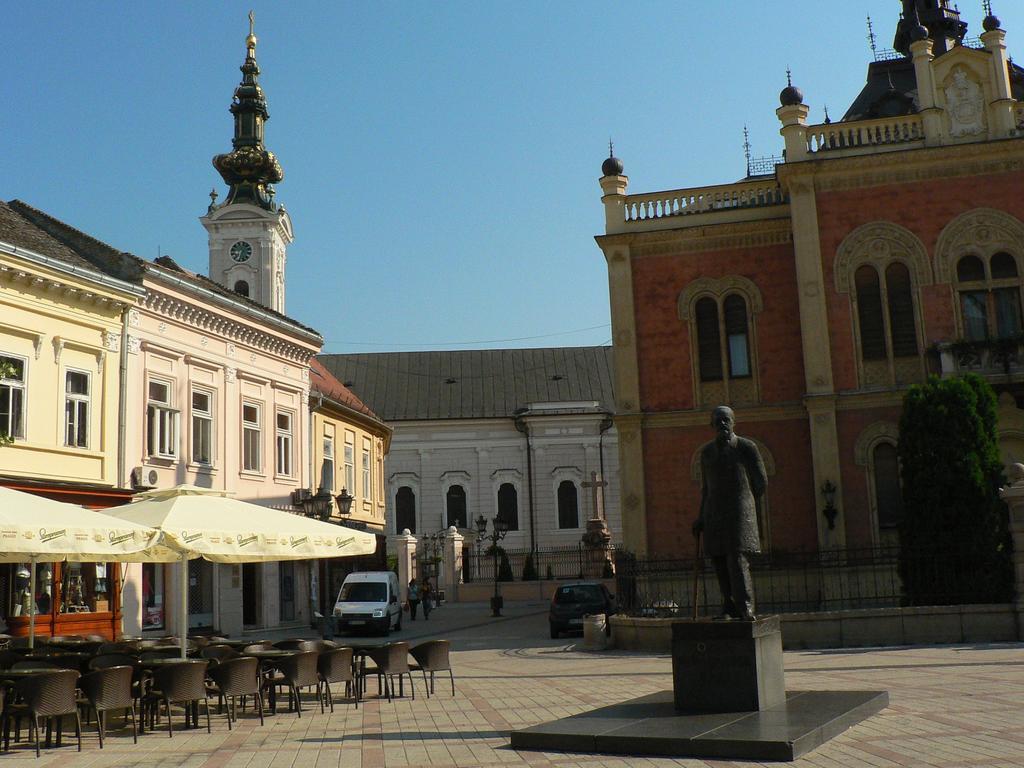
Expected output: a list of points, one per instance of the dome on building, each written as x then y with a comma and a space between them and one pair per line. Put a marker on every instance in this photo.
791, 96
611, 166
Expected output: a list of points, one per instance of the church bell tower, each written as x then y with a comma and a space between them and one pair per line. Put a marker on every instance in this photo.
249, 233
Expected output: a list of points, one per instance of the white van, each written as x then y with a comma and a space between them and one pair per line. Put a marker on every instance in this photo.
369, 600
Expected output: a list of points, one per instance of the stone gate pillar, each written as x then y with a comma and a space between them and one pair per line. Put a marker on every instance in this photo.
404, 545
452, 563
1013, 495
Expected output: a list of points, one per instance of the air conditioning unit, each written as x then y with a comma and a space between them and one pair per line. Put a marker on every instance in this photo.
299, 495
143, 479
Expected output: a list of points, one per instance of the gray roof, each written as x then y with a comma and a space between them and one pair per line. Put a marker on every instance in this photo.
474, 384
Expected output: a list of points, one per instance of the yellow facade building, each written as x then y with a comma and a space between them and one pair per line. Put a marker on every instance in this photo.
61, 329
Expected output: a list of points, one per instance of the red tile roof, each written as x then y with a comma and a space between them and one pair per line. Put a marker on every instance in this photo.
322, 381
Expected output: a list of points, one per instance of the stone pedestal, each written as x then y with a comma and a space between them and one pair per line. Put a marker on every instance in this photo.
727, 666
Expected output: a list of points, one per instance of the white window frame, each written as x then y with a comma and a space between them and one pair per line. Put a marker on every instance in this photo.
350, 461
367, 471
327, 462
78, 403
208, 420
9, 386
283, 441
162, 422
256, 428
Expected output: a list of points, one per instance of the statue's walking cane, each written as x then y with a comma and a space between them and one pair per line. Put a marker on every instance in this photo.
697, 565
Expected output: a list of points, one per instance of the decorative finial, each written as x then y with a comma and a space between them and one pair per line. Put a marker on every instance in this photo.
990, 23
611, 147
213, 199
746, 147
250, 41
987, 7
828, 119
789, 77
611, 166
791, 95
871, 38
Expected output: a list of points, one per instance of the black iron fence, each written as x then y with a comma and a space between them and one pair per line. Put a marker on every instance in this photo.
798, 582
570, 562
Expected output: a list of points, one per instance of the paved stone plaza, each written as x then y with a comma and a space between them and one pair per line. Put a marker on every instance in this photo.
950, 706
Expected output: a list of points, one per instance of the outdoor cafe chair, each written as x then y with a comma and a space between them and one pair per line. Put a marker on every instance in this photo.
296, 672
238, 677
49, 694
183, 683
110, 688
390, 660
218, 653
432, 656
335, 666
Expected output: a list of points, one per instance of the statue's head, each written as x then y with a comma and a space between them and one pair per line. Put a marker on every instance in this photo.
723, 420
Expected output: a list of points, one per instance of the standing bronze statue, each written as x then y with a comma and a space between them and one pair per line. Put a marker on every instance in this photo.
733, 482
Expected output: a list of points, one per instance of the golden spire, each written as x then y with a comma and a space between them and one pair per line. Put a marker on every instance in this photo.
250, 41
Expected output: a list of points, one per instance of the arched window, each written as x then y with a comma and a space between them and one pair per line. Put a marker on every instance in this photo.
508, 505
455, 501
568, 505
712, 327
735, 311
989, 293
888, 496
886, 324
405, 510
902, 328
242, 288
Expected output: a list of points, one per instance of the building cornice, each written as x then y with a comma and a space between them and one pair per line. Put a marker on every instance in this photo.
127, 293
911, 165
310, 337
714, 237
203, 318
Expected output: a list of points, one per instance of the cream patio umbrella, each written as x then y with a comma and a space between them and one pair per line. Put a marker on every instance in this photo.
37, 529
208, 523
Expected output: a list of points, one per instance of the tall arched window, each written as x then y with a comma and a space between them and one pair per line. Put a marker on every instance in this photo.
713, 326
869, 313
242, 288
735, 311
405, 510
886, 324
989, 292
888, 496
508, 505
455, 501
568, 505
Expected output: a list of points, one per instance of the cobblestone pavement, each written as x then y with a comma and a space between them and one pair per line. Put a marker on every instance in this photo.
950, 706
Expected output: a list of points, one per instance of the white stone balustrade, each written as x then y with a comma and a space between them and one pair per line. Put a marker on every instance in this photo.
865, 135
682, 202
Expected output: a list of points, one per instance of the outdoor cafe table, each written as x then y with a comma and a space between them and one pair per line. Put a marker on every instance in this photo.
267, 658
360, 650
13, 676
237, 643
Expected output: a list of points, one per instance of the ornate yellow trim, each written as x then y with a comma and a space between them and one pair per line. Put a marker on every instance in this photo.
717, 288
714, 237
880, 243
982, 232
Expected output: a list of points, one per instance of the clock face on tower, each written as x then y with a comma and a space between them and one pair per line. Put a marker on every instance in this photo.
241, 251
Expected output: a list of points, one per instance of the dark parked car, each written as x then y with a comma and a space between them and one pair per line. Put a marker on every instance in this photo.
571, 602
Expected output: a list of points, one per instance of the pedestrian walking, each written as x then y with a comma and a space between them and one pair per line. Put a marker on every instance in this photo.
427, 596
414, 599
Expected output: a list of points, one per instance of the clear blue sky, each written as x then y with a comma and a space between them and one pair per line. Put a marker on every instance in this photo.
441, 159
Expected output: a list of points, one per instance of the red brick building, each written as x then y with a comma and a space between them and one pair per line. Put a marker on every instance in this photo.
885, 246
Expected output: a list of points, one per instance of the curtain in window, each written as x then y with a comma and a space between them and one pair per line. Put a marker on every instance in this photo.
735, 311
902, 327
1007, 312
972, 305
708, 340
869, 312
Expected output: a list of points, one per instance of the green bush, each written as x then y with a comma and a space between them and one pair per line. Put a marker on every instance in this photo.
955, 546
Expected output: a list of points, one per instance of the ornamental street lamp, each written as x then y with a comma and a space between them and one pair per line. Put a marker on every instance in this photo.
499, 529
344, 500
318, 506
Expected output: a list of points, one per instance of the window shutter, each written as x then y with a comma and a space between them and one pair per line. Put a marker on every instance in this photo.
869, 311
901, 311
708, 340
